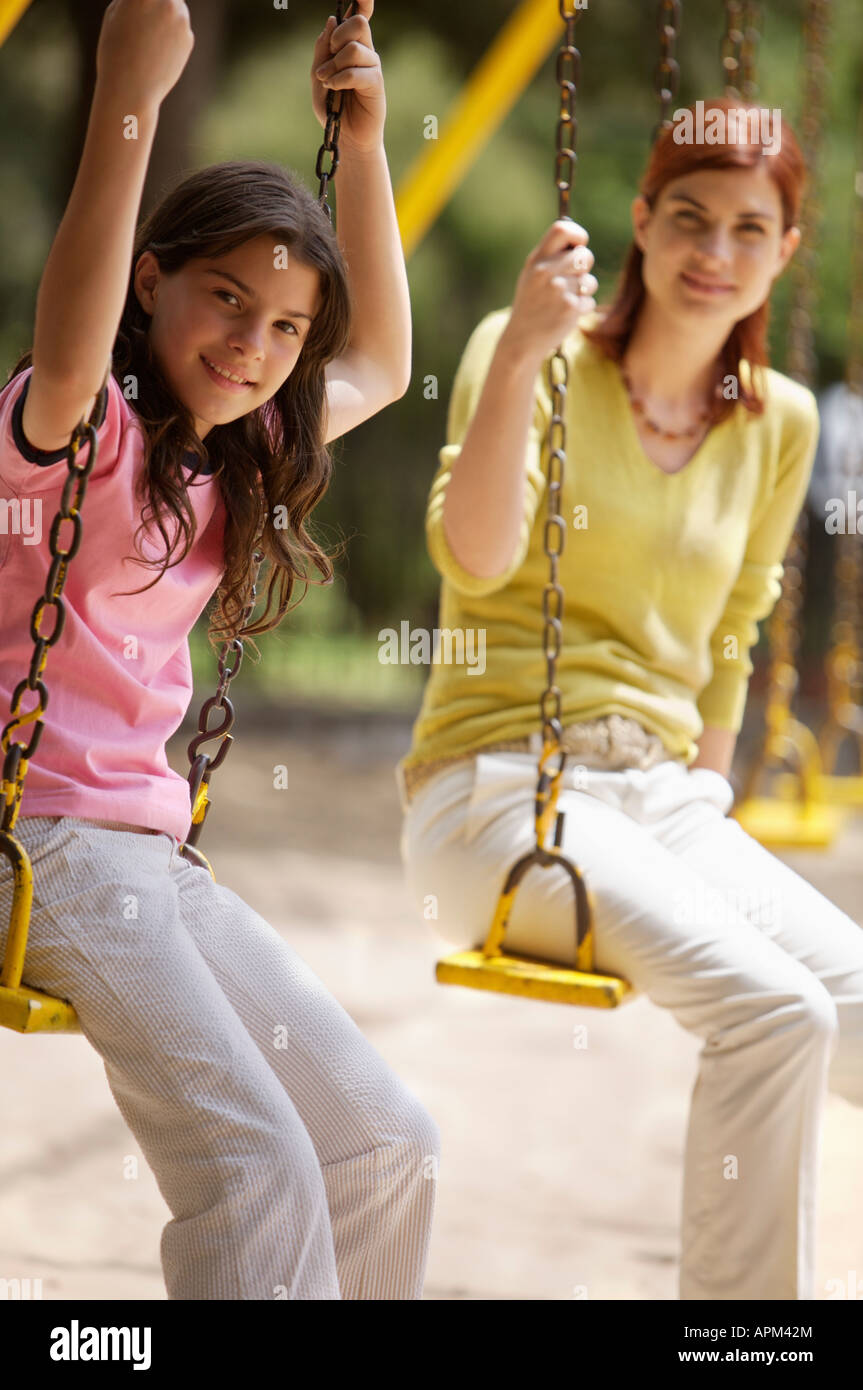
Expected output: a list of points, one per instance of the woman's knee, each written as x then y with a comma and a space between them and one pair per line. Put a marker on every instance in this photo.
813, 1011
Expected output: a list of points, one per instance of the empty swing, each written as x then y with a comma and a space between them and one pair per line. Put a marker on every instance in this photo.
804, 818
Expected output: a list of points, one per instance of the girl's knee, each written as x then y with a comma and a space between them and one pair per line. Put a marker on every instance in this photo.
423, 1134
410, 1127
413, 1157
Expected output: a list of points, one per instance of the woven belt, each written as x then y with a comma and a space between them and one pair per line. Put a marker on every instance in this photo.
610, 743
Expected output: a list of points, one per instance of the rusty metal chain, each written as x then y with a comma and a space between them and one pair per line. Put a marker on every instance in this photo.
845, 658
786, 737
330, 144
201, 764
739, 48
666, 78
17, 755
568, 72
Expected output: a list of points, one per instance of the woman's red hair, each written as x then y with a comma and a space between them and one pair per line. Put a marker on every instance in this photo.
670, 160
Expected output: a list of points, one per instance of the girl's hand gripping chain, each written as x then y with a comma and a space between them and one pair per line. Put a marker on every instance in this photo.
345, 61
143, 48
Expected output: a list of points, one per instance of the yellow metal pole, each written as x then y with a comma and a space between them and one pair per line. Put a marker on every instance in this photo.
10, 12
494, 87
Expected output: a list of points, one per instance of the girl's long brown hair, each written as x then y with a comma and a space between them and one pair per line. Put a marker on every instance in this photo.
669, 160
275, 456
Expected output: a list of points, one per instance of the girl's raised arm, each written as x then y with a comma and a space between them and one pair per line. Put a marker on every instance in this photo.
143, 47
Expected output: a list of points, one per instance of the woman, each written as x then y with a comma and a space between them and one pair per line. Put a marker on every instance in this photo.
687, 465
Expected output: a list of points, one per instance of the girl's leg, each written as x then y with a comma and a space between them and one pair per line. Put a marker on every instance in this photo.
227, 1145
768, 1023
377, 1146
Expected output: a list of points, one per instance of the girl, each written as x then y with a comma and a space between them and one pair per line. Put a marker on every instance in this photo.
294, 1161
688, 462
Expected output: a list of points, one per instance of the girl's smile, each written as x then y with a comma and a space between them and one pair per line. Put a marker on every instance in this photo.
223, 381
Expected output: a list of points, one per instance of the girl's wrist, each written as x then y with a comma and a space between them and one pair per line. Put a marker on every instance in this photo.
109, 93
360, 153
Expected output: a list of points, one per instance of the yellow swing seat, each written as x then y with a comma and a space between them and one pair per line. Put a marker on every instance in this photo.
786, 824
833, 789
803, 819
528, 977
26, 1010
22, 1009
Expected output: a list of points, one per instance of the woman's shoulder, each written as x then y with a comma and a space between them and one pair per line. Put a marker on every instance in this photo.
789, 400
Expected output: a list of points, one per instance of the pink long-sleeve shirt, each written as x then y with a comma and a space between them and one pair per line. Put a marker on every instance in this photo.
119, 678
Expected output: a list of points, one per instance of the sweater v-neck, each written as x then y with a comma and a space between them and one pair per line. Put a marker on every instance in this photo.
636, 448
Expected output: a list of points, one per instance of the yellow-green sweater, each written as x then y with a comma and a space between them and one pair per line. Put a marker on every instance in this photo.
665, 575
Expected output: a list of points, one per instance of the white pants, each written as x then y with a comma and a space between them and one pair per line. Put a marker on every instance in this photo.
295, 1162
699, 917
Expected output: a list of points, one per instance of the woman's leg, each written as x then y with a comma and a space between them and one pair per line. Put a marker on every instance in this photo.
738, 877
227, 1145
744, 877
377, 1146
768, 1023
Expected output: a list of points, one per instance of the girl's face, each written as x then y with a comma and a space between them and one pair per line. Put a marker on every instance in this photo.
248, 311
713, 244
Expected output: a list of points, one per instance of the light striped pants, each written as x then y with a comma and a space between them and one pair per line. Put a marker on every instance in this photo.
295, 1162
695, 914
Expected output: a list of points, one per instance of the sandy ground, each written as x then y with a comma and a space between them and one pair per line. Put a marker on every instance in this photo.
562, 1166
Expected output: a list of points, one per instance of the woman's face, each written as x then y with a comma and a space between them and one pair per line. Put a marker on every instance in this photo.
713, 244
248, 310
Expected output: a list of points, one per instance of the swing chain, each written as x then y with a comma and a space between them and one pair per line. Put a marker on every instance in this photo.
568, 75
782, 730
667, 76
554, 534
331, 135
739, 48
201, 764
17, 754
